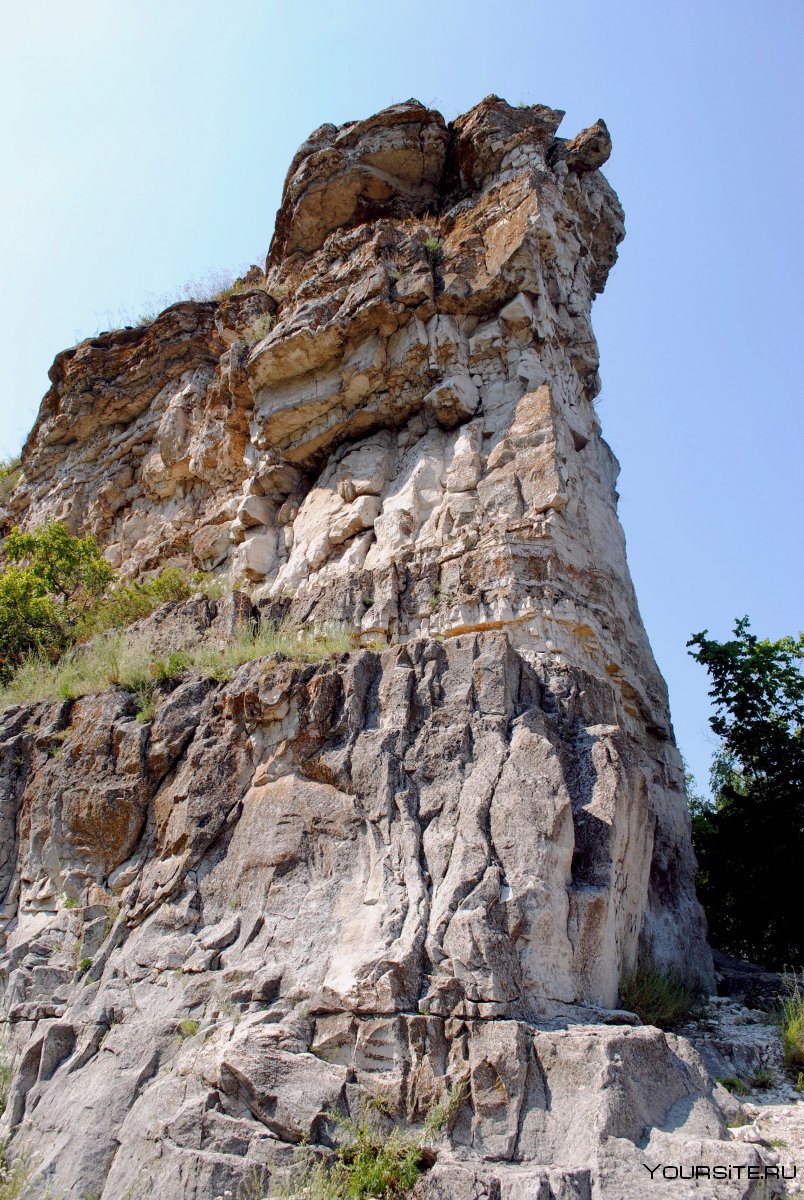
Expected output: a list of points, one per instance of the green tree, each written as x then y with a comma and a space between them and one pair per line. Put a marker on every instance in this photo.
48, 579
750, 838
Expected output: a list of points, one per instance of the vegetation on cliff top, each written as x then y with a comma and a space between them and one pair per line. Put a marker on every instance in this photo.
65, 627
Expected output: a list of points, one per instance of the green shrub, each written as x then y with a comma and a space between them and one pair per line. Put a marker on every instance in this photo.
657, 997
433, 250
368, 1164
733, 1084
131, 602
791, 1023
371, 1161
84, 965
762, 1078
48, 580
187, 1028
10, 475
259, 328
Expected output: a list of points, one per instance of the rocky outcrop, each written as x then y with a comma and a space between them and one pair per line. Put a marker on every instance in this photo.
425, 864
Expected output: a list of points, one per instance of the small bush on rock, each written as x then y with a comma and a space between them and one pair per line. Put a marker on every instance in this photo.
131, 602
372, 1162
733, 1084
434, 250
258, 329
657, 997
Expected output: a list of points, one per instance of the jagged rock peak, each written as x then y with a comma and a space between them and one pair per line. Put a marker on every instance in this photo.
406, 161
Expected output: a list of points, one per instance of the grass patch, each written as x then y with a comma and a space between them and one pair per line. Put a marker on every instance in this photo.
258, 329
433, 249
10, 475
133, 601
215, 285
140, 664
791, 1023
368, 1164
186, 1029
372, 1161
762, 1078
299, 643
440, 1117
143, 661
733, 1084
13, 1177
657, 997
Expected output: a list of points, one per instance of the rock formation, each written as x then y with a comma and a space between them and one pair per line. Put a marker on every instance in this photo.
434, 859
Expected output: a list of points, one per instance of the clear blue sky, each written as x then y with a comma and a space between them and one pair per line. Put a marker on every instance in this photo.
145, 144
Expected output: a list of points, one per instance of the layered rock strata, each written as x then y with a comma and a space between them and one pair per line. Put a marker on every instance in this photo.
428, 863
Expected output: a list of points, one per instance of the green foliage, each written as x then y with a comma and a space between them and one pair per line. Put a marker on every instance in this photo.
187, 1028
48, 579
368, 1164
6, 1075
141, 662
259, 328
10, 475
374, 1160
71, 902
13, 1177
657, 997
84, 965
791, 1023
130, 602
762, 1077
733, 1084
440, 1117
433, 250
749, 839
64, 565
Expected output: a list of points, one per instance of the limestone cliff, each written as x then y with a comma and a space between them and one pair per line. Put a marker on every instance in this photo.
435, 857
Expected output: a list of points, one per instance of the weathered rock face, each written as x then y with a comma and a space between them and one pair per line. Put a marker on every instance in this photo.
422, 863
